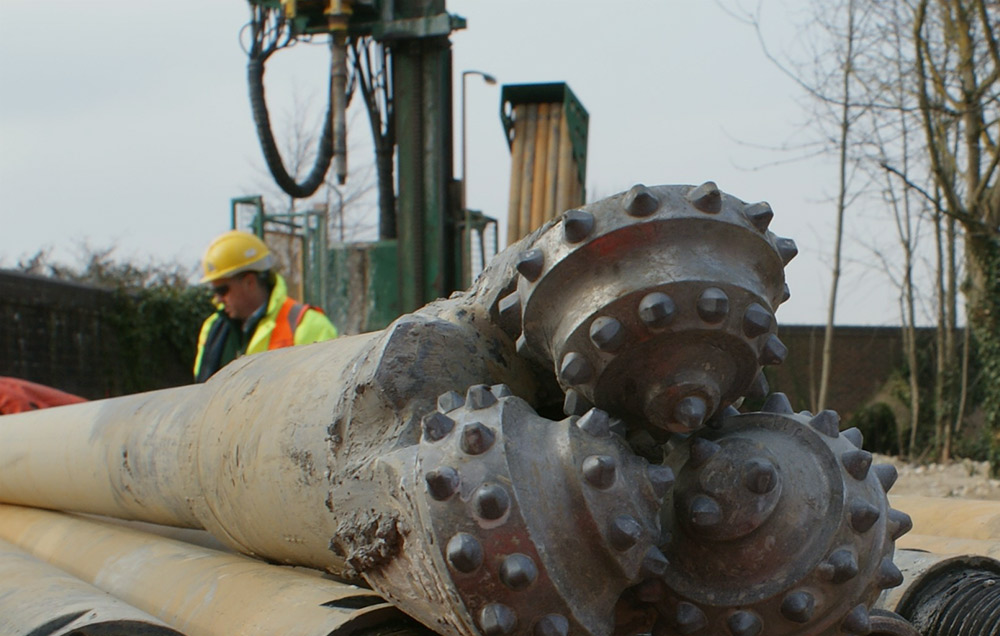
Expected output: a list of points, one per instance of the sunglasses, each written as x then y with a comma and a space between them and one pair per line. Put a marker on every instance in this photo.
220, 290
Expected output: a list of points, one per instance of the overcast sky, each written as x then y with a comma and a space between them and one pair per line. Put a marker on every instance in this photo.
128, 124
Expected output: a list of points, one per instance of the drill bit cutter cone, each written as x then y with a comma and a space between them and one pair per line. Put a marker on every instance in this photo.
432, 459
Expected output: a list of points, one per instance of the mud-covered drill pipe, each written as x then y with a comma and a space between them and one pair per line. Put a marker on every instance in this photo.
428, 459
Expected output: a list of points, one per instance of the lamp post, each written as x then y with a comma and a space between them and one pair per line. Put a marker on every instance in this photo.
489, 79
466, 230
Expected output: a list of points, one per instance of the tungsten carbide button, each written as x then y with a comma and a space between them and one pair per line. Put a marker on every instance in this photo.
744, 624
777, 403
889, 575
510, 314
640, 202
657, 310
857, 621
689, 618
530, 263
661, 478
701, 451
624, 532
464, 552
491, 502
607, 334
691, 411
760, 476
857, 462
477, 438
450, 401
827, 422
900, 523
500, 391
757, 320
575, 369
713, 305
654, 564
521, 346
577, 225
617, 427
497, 619
518, 571
798, 607
786, 249
595, 422
479, 396
704, 511
442, 482
774, 351
759, 387
436, 426
863, 515
575, 403
551, 625
599, 471
706, 198
840, 566
854, 436
760, 215
718, 420
887, 475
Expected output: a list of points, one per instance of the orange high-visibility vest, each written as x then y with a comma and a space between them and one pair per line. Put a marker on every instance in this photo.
286, 322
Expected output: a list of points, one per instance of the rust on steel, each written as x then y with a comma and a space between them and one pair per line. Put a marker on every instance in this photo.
504, 461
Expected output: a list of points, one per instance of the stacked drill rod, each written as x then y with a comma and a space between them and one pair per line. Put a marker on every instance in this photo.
133, 582
544, 174
555, 451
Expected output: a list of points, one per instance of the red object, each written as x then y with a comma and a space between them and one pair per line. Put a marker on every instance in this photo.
17, 396
286, 322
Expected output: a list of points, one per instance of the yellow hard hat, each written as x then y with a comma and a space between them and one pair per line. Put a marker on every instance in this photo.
235, 252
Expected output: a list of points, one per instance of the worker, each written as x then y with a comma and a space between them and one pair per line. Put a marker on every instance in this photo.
254, 311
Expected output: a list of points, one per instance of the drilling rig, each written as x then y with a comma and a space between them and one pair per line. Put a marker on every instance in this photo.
560, 449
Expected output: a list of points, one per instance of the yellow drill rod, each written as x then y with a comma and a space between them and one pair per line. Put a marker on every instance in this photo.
36, 598
197, 590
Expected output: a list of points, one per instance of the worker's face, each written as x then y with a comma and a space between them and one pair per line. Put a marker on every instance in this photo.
240, 295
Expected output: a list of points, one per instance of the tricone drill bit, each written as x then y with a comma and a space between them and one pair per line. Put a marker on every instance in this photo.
470, 462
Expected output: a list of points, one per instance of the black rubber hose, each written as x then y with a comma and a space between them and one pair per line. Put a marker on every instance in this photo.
261, 118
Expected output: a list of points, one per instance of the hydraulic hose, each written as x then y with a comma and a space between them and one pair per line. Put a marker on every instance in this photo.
262, 119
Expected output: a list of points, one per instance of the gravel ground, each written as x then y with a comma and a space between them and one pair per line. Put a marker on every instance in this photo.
961, 478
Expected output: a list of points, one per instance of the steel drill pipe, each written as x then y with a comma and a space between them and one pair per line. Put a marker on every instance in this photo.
38, 598
199, 591
359, 457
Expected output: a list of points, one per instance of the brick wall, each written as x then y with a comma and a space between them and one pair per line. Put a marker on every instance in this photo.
863, 360
59, 334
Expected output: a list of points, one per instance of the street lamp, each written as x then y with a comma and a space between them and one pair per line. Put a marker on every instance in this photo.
489, 79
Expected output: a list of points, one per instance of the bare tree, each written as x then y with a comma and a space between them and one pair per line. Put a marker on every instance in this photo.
847, 63
957, 64
889, 124
836, 36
